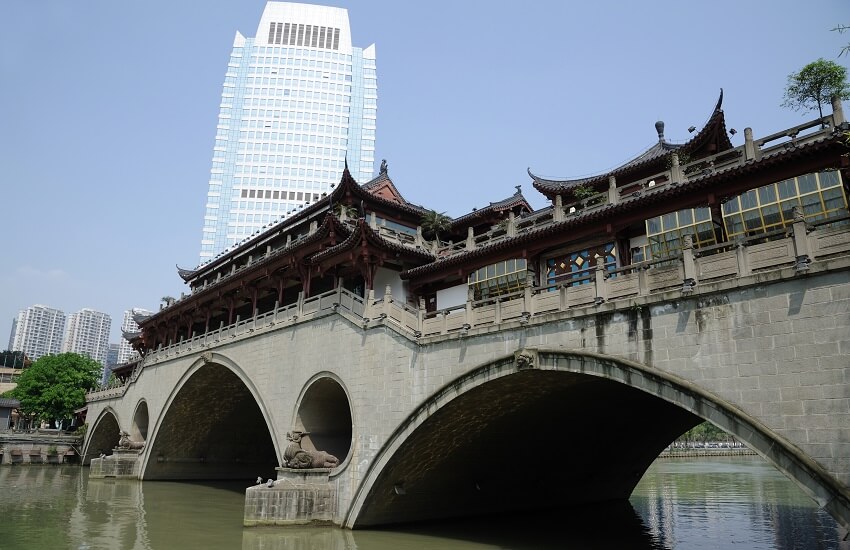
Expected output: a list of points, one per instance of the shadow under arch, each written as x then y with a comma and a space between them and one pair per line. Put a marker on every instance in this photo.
102, 437
564, 428
139, 429
213, 425
323, 409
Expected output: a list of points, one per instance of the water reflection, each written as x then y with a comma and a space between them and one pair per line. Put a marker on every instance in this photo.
724, 502
679, 504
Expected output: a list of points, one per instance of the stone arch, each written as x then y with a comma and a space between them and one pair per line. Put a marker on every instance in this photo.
103, 435
214, 425
556, 378
324, 410
139, 429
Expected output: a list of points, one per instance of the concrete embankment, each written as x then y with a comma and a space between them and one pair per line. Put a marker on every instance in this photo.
39, 447
708, 452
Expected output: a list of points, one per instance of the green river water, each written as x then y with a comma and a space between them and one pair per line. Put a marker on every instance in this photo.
717, 503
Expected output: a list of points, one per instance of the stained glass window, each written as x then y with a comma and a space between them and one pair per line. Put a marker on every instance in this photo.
572, 267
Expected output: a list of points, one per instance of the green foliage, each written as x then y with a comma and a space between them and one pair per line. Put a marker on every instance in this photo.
55, 385
13, 360
81, 431
342, 210
582, 192
704, 432
435, 222
816, 84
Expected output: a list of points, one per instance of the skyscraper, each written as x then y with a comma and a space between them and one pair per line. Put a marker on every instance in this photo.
39, 331
88, 334
12, 334
297, 101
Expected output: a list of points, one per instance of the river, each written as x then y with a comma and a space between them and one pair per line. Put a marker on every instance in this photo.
712, 503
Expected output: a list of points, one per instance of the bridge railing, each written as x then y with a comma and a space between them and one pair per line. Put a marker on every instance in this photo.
793, 247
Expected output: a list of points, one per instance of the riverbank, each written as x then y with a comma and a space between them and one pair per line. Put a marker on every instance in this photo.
706, 452
39, 447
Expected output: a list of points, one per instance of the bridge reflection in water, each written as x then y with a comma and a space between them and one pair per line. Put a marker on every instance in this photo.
679, 504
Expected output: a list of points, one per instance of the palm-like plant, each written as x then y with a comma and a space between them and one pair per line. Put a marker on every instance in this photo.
435, 222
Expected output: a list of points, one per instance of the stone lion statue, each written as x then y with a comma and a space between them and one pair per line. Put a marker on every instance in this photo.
524, 360
300, 459
128, 444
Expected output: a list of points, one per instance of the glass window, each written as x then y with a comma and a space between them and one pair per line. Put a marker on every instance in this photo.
820, 195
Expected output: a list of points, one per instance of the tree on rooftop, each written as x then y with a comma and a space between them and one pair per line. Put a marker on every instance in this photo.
816, 84
435, 222
54, 386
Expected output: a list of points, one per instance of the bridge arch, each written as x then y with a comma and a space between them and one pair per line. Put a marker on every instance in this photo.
103, 435
213, 425
627, 411
324, 410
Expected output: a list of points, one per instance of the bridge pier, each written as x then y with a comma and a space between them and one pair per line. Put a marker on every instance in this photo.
121, 464
297, 497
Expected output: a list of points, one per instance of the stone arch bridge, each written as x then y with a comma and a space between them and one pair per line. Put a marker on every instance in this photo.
546, 399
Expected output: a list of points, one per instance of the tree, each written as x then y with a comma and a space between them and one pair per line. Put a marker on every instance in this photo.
53, 386
816, 84
14, 360
435, 222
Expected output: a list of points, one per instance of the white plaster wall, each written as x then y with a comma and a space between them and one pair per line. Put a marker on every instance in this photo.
453, 296
384, 277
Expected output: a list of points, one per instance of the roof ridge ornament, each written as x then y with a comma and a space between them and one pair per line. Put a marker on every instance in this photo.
659, 127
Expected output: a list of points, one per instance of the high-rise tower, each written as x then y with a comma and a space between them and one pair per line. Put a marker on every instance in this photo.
297, 101
39, 330
87, 333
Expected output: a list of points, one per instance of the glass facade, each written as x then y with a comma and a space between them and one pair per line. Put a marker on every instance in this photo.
499, 278
760, 210
770, 207
665, 233
297, 101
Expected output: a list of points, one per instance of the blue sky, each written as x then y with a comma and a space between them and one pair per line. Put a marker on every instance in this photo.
108, 112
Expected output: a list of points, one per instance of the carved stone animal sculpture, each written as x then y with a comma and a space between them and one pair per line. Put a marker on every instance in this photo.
128, 444
298, 458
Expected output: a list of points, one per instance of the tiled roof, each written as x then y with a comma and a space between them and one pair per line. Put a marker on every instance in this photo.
517, 199
715, 126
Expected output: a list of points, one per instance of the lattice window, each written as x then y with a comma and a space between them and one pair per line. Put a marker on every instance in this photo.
665, 232
770, 207
499, 278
